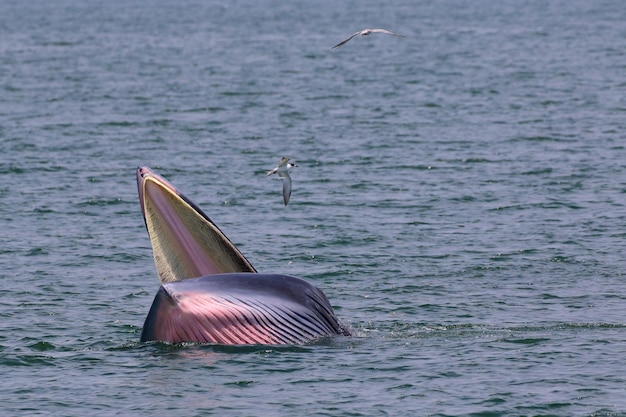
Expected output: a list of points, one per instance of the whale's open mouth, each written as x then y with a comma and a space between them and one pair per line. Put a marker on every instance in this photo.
210, 293
185, 242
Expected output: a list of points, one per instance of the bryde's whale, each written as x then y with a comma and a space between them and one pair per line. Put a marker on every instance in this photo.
210, 292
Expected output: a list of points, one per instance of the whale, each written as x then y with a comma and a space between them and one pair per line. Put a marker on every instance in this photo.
210, 293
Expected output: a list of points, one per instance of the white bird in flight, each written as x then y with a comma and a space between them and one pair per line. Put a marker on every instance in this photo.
282, 170
366, 32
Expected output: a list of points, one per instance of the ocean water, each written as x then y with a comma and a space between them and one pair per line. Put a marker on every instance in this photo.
460, 198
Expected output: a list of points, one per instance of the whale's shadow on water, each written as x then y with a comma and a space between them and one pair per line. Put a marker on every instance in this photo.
208, 354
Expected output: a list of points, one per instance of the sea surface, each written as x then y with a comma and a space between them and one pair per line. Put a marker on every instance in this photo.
460, 197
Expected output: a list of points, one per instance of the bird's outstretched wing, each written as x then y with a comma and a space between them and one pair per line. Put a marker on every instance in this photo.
346, 40
281, 163
284, 176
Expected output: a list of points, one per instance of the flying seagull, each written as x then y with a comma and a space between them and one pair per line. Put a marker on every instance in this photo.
281, 170
366, 32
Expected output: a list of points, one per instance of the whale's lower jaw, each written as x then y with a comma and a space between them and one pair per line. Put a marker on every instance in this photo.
240, 309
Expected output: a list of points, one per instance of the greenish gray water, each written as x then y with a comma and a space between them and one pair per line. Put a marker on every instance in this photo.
459, 198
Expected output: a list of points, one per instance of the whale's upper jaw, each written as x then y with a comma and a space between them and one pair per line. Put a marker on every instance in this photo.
185, 242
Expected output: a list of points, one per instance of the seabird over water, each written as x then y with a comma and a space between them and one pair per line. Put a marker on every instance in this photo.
282, 170
366, 32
